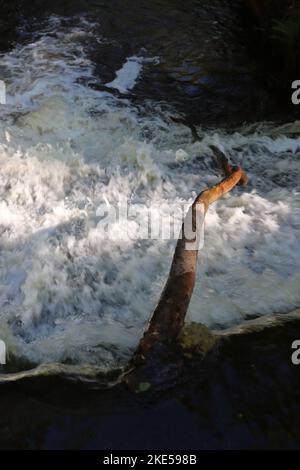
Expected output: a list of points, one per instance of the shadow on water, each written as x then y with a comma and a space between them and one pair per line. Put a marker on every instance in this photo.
243, 395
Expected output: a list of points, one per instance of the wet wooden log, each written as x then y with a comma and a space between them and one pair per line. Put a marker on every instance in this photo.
226, 166
168, 318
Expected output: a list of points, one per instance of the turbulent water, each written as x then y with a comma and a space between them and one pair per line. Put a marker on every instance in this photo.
71, 141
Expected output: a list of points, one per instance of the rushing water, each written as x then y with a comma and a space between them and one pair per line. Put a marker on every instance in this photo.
76, 134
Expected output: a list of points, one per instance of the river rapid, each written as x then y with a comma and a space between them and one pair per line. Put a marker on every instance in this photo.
89, 120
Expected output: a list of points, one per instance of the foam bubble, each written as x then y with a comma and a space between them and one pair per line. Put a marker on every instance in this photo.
127, 76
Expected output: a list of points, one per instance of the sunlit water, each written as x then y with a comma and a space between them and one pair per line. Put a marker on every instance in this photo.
69, 144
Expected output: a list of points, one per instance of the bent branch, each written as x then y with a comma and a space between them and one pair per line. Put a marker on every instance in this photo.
169, 315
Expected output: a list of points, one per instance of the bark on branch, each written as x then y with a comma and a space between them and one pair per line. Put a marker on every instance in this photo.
169, 315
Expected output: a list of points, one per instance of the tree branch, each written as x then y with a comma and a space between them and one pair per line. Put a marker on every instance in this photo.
169, 315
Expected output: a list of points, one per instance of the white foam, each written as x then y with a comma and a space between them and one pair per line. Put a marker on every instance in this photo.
128, 75
68, 295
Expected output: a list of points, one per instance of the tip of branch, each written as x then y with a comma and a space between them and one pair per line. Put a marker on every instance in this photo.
244, 178
226, 166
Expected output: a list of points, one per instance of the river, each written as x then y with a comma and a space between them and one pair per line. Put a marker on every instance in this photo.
97, 93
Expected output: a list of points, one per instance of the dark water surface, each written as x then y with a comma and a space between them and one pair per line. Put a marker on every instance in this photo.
246, 398
205, 69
